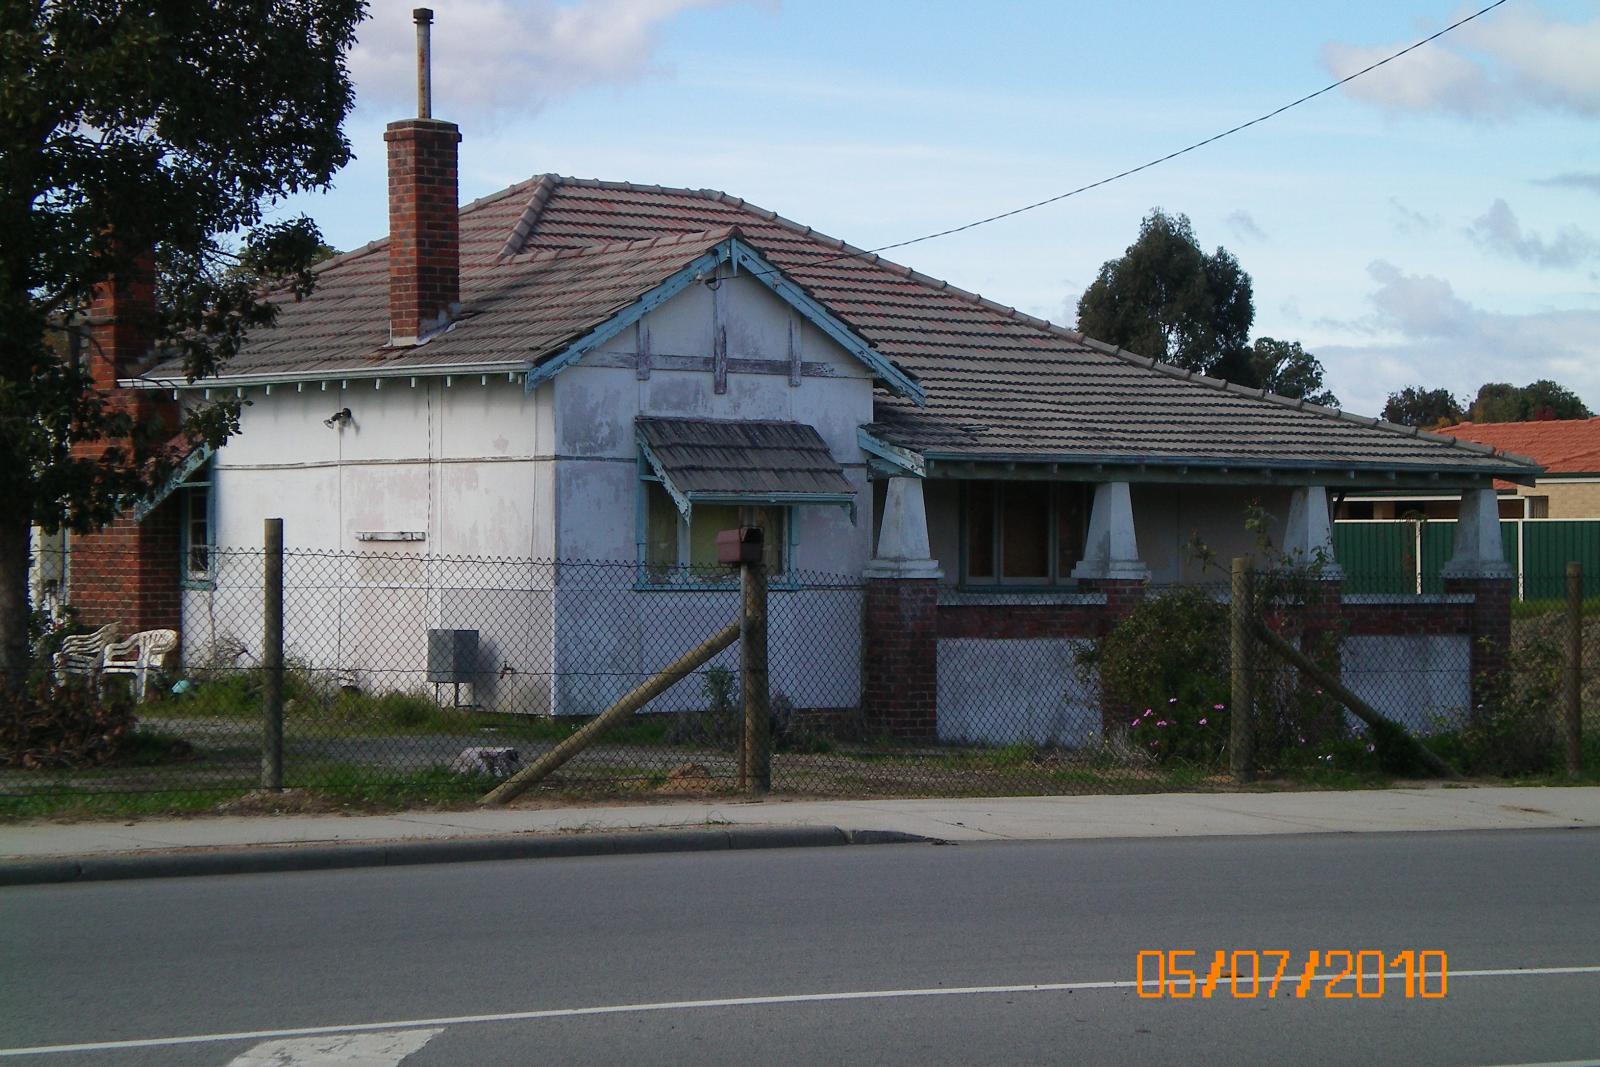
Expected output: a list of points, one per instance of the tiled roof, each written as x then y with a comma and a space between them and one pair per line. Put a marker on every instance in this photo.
1560, 446
999, 384
750, 458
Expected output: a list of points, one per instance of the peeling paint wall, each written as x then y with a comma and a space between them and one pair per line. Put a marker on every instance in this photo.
468, 466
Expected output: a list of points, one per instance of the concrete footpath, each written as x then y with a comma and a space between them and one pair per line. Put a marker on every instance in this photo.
57, 852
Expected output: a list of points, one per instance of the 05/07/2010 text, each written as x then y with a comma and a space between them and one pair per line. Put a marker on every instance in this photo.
1339, 974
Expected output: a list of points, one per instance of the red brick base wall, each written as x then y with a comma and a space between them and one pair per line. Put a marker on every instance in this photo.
128, 573
900, 657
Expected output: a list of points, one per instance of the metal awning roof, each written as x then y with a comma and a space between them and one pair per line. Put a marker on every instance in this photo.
742, 462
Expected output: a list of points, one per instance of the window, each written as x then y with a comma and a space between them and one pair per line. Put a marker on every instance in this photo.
195, 534
1538, 507
674, 547
1024, 533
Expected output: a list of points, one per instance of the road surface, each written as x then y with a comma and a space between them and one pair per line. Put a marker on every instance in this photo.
900, 954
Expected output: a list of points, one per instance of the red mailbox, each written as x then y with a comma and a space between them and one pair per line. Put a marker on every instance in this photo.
744, 545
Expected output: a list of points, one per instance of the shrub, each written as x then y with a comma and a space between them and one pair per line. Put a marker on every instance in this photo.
1513, 731
61, 728
1165, 667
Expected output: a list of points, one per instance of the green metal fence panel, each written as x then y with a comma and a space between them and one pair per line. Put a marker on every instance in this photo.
1377, 557
1552, 544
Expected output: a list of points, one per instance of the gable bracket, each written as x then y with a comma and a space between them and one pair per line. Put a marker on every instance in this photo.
660, 472
903, 460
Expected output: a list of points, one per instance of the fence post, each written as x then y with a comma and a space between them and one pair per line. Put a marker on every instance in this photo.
1574, 670
1241, 730
756, 762
272, 658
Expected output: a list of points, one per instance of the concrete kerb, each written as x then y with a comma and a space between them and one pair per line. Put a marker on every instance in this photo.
192, 863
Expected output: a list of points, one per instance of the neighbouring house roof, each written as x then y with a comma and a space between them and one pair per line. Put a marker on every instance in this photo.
716, 460
545, 259
1560, 446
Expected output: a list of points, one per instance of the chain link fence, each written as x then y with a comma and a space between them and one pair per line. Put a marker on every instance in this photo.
418, 679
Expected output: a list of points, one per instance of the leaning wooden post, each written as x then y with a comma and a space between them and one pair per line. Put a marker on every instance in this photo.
638, 698
1241, 730
1574, 670
756, 764
272, 658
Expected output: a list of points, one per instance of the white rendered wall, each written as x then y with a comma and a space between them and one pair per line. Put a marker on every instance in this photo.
1010, 691
1422, 681
469, 466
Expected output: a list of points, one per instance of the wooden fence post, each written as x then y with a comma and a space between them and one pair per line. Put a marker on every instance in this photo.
1241, 729
1573, 734
756, 762
272, 658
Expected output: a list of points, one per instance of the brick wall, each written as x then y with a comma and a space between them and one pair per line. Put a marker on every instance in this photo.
900, 657
129, 573
424, 226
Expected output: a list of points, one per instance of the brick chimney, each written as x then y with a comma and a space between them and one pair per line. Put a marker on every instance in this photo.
424, 223
121, 325
128, 571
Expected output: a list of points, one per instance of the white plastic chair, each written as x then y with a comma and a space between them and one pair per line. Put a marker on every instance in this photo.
140, 654
80, 654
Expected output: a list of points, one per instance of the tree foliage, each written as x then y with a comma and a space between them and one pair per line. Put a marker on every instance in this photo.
1167, 297
1427, 408
124, 127
1540, 400
1289, 370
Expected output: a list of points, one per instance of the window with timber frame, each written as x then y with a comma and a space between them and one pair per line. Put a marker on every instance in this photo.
1025, 533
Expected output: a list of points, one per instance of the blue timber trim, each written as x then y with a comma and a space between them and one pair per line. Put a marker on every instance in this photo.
701, 266
191, 463
823, 319
902, 458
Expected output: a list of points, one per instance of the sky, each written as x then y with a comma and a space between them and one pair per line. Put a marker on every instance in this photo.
1434, 223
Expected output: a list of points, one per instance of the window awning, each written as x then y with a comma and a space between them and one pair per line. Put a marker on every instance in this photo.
716, 461
183, 472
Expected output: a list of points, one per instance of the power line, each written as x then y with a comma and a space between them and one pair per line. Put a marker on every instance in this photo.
1170, 155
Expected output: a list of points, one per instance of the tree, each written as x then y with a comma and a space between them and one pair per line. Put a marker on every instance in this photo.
1289, 370
126, 127
1167, 298
1427, 408
1540, 400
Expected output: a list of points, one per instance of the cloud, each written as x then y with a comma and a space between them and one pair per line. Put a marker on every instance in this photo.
1421, 332
1497, 230
1573, 180
1409, 221
1511, 60
1243, 226
497, 59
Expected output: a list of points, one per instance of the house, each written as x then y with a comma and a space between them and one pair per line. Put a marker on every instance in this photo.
573, 369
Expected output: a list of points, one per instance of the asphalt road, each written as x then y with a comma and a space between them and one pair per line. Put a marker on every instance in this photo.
420, 955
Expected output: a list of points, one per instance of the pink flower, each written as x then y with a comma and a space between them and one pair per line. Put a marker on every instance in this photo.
1219, 707
1202, 722
1161, 722
1172, 700
1135, 721
1146, 714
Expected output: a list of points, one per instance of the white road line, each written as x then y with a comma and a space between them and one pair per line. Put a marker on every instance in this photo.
379, 1048
693, 1005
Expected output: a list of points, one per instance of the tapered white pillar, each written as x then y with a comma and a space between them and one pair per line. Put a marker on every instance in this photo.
903, 535
1111, 551
1478, 551
1308, 536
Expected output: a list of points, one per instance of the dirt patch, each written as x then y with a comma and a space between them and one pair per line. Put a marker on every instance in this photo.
288, 802
691, 779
